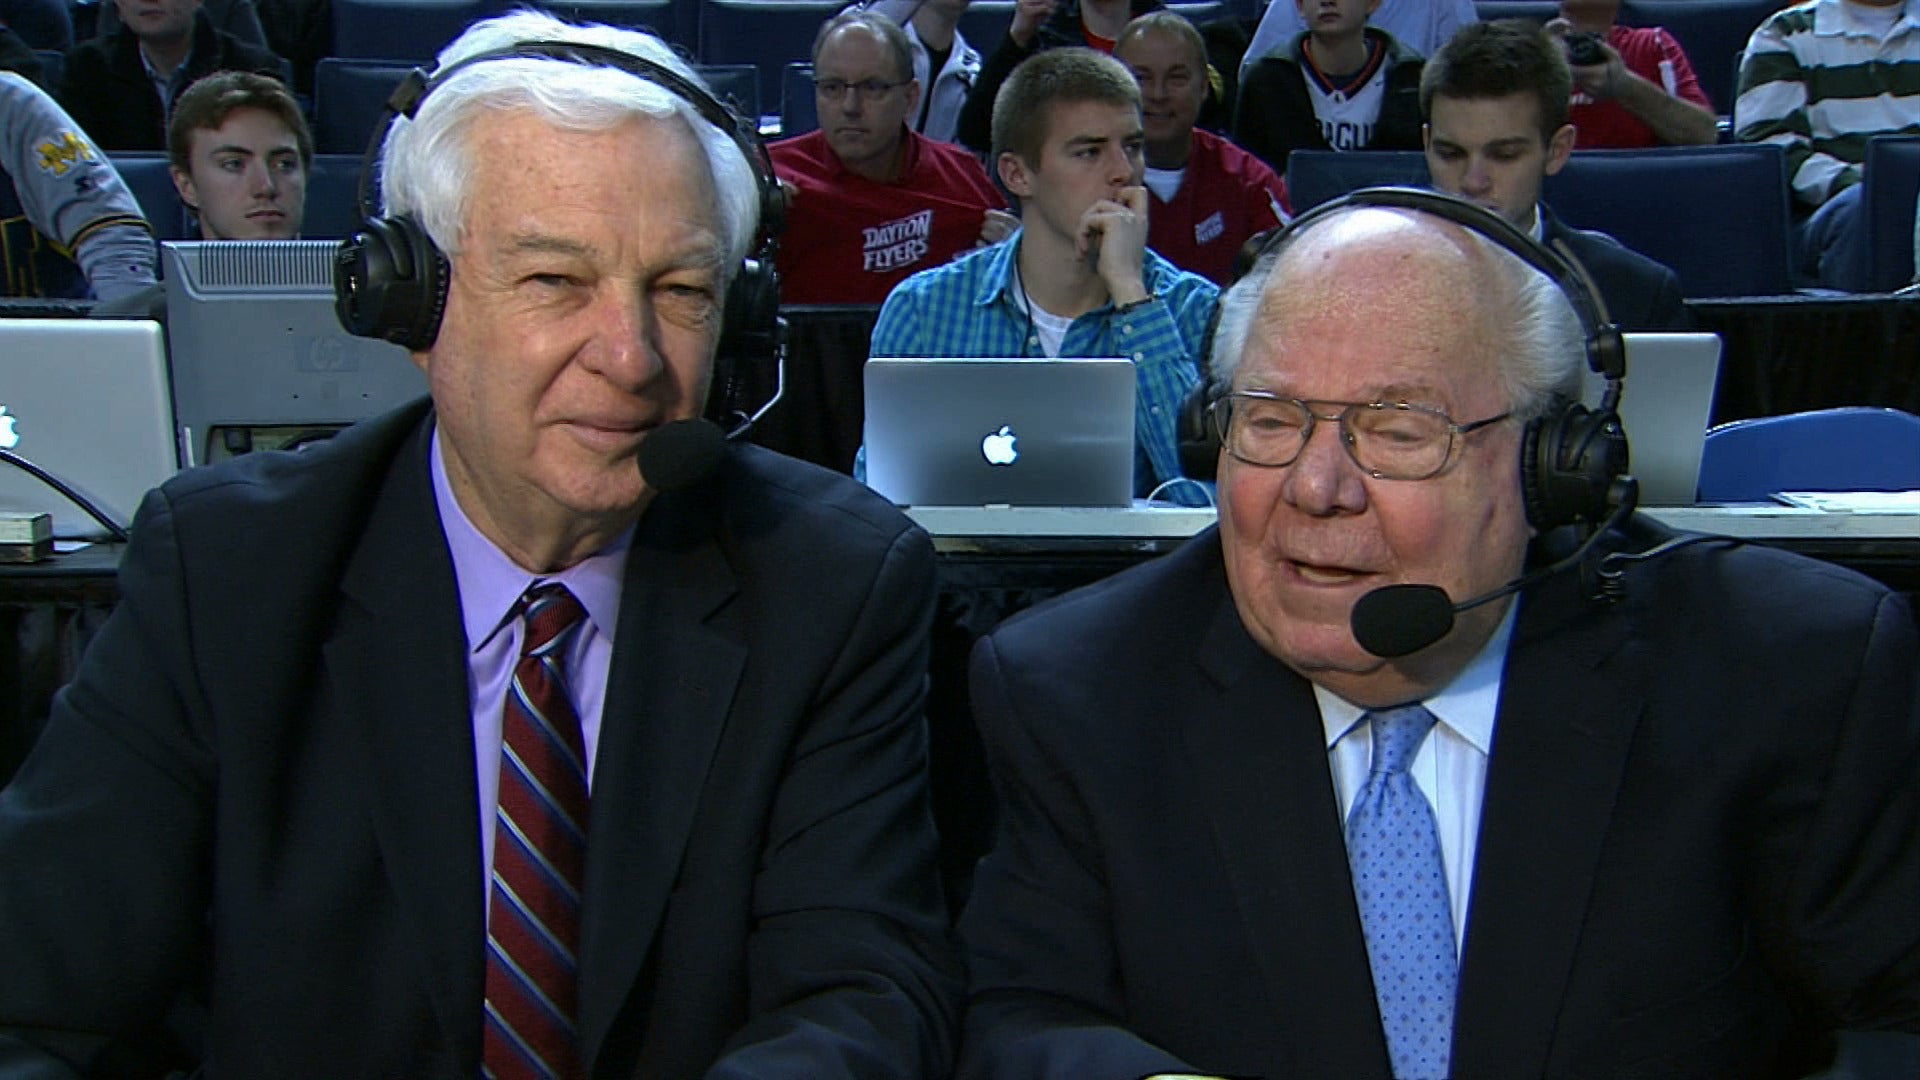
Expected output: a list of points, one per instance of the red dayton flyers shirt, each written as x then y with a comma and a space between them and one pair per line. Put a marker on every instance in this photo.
850, 240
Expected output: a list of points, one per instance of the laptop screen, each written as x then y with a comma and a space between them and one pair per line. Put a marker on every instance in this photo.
86, 400
998, 431
1666, 405
255, 342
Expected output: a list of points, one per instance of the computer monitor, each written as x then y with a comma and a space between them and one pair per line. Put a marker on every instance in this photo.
259, 358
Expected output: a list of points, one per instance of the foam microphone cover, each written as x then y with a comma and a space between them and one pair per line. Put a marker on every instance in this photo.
1400, 619
681, 454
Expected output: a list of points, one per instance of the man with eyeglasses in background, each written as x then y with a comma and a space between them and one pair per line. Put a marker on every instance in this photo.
870, 200
1677, 834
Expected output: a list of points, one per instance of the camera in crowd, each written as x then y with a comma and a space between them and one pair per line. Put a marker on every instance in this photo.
1584, 50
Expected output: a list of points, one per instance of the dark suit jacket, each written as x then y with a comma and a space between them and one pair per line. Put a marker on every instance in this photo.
1699, 849
107, 92
262, 782
1641, 295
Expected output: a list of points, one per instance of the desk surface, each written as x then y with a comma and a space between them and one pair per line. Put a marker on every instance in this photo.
1755, 522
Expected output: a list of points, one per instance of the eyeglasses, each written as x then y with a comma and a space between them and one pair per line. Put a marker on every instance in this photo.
1389, 440
835, 89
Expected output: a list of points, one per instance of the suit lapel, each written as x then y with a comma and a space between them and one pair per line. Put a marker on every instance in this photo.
397, 670
669, 690
1259, 752
1568, 709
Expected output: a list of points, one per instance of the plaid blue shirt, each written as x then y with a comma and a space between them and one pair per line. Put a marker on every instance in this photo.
970, 307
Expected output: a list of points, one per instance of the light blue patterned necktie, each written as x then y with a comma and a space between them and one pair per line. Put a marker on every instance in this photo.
1400, 883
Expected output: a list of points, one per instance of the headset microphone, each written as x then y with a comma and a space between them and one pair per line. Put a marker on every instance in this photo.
680, 455
1395, 620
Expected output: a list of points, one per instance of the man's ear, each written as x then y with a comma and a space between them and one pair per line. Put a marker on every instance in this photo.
183, 184
1014, 174
913, 98
1559, 148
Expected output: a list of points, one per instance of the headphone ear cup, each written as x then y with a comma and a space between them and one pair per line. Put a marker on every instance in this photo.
1568, 462
390, 282
747, 359
1198, 441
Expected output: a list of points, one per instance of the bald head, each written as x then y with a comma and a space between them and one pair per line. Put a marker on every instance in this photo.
1432, 283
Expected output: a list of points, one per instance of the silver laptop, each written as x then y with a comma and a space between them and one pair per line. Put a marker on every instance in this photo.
86, 400
1666, 406
986, 432
256, 344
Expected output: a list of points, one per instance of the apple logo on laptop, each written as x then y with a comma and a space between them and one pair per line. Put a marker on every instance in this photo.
9, 438
998, 447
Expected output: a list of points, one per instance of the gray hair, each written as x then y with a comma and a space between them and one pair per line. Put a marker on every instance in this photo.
875, 23
425, 162
1545, 350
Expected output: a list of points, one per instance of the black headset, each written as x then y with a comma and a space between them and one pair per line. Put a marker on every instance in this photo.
1569, 458
390, 279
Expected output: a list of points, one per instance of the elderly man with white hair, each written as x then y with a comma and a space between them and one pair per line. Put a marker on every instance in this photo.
1249, 828
459, 747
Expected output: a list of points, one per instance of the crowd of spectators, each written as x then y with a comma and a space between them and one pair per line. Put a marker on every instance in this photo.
911, 152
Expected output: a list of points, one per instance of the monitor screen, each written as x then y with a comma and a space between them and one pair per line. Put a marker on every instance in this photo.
255, 347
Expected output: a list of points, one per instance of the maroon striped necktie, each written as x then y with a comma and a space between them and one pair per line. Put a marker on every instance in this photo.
539, 856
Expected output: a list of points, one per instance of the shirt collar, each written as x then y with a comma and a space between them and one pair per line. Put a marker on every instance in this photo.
1468, 704
490, 583
996, 274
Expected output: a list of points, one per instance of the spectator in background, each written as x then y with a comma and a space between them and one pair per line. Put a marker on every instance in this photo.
1420, 25
1496, 99
1039, 25
121, 87
239, 152
1340, 85
945, 64
68, 225
1820, 79
241, 18
870, 200
1640, 91
1077, 279
1207, 196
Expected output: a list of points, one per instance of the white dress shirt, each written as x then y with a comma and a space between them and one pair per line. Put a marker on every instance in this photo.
1450, 768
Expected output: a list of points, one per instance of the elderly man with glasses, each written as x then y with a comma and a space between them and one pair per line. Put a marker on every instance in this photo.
870, 200
1674, 834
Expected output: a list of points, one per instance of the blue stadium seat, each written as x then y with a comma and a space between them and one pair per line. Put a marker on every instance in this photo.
402, 29
768, 34
1537, 10
1845, 449
153, 188
799, 109
1889, 187
1718, 215
350, 99
736, 84
1315, 176
333, 197
1713, 32
1720, 219
1203, 11
676, 21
